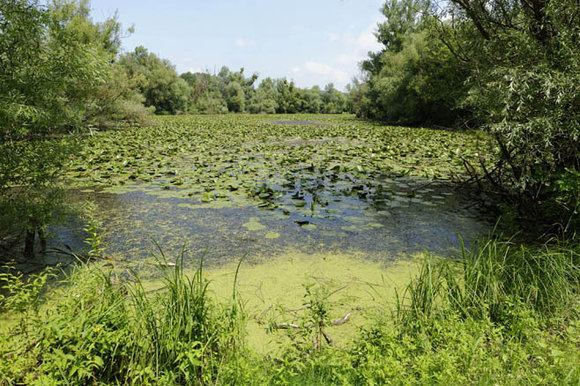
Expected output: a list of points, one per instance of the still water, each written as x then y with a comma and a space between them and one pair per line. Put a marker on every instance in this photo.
390, 219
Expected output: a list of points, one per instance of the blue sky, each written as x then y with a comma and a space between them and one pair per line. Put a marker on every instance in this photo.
312, 42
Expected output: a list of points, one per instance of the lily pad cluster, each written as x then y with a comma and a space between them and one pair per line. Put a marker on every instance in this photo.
247, 160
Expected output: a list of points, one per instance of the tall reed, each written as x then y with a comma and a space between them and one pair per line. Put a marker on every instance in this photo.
492, 276
181, 329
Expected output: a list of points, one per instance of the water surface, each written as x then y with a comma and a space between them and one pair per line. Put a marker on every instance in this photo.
392, 218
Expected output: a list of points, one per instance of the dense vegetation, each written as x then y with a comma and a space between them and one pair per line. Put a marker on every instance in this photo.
510, 67
75, 111
223, 92
486, 318
234, 154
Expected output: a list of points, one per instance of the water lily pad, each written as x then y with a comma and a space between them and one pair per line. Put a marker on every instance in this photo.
254, 224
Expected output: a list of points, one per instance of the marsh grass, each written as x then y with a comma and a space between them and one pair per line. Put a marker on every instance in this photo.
491, 278
501, 314
104, 326
182, 329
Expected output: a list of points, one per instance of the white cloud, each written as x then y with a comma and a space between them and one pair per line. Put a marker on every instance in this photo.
348, 59
194, 70
368, 41
240, 42
356, 46
353, 45
327, 72
364, 41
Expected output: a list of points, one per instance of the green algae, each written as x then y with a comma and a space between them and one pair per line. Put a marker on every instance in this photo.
254, 224
221, 204
272, 290
120, 189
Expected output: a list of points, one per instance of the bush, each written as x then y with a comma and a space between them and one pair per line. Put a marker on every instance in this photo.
102, 328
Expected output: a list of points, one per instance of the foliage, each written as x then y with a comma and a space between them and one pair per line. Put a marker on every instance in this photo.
94, 332
157, 81
21, 294
501, 314
234, 92
49, 71
491, 279
415, 78
55, 76
510, 67
93, 229
524, 88
419, 83
30, 196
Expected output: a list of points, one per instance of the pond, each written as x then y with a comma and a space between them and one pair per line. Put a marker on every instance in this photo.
261, 186
343, 203
397, 217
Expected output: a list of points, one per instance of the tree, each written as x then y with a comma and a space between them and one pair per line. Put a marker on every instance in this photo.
264, 99
53, 61
157, 80
49, 71
524, 89
312, 101
334, 100
235, 97
415, 78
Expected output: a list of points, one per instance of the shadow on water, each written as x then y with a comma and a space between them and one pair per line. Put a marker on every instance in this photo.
390, 218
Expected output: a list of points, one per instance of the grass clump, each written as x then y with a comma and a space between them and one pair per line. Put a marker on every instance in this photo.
492, 277
501, 314
103, 326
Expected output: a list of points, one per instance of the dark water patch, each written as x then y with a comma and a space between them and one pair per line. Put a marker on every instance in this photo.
384, 220
297, 122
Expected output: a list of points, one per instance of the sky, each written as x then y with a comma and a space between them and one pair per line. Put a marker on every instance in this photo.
313, 42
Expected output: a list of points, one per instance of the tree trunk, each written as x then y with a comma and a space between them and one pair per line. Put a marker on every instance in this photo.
42, 237
29, 244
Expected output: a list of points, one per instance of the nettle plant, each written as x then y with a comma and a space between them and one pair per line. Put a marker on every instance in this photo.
317, 316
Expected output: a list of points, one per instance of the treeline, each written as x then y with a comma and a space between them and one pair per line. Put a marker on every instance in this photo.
60, 69
509, 67
226, 91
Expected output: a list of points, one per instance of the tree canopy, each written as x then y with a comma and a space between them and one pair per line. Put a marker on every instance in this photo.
509, 67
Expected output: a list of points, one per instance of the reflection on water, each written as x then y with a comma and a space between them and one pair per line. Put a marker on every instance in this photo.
393, 217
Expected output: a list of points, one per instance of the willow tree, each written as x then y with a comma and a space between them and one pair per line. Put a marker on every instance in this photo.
53, 60
525, 60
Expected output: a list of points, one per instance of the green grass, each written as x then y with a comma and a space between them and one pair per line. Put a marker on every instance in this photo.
101, 326
493, 275
502, 314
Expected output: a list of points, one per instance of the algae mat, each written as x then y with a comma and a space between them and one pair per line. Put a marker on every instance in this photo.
273, 291
407, 215
241, 185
